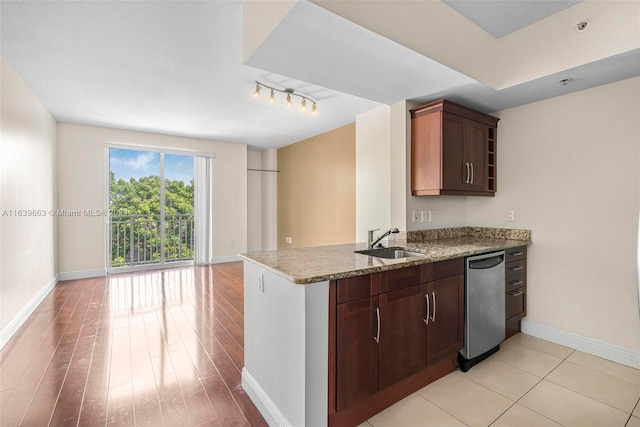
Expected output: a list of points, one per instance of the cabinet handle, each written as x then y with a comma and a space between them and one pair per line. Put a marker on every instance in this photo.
433, 319
516, 294
516, 253
471, 173
426, 321
516, 282
466, 180
518, 268
377, 337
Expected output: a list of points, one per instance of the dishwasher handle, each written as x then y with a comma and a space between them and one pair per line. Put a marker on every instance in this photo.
483, 264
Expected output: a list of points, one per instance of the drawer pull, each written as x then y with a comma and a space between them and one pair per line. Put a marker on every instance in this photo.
377, 337
516, 253
516, 282
516, 294
426, 321
433, 318
518, 268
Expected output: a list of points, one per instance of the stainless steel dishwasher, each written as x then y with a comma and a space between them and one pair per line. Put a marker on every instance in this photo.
484, 308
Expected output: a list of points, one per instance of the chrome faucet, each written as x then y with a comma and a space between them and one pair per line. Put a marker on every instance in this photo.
371, 242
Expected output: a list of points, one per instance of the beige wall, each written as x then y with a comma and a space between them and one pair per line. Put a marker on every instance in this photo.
569, 168
27, 181
316, 190
81, 185
270, 199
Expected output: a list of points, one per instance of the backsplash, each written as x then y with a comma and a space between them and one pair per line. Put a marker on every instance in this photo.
421, 236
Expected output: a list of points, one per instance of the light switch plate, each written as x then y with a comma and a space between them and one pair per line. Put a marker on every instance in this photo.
423, 216
511, 216
432, 216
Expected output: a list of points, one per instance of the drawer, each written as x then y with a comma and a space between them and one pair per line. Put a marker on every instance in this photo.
354, 288
516, 253
401, 278
515, 268
516, 303
516, 281
443, 269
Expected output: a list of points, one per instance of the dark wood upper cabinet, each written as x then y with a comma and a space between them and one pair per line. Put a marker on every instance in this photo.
453, 151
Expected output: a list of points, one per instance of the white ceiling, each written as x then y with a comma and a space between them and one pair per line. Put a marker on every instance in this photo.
166, 67
175, 67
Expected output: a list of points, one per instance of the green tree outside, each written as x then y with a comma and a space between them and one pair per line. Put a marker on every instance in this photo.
141, 197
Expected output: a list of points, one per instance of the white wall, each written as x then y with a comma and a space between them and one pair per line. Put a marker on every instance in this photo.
27, 181
81, 185
254, 201
286, 348
569, 168
373, 183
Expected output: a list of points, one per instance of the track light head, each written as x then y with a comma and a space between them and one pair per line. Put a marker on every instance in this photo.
290, 94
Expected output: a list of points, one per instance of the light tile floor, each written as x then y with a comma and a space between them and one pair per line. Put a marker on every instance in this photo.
529, 382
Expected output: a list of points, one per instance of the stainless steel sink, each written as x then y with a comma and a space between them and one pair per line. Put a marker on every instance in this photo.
390, 253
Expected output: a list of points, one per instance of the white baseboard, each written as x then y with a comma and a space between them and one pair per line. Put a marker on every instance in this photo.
265, 405
584, 344
82, 274
222, 259
15, 323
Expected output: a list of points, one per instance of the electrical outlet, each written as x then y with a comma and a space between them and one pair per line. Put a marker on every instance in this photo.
432, 216
511, 216
423, 216
231, 242
261, 282
288, 240
415, 216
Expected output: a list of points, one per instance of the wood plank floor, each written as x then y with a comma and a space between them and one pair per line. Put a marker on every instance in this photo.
143, 349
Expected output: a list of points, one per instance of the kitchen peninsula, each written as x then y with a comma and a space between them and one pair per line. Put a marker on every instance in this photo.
290, 300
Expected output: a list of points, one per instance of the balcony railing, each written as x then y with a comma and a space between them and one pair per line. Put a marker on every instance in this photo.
136, 239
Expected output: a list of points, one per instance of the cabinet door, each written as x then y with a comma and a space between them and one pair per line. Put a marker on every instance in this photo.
426, 147
446, 317
475, 153
402, 334
454, 171
356, 351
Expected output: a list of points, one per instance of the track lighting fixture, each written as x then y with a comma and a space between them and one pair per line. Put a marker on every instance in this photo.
290, 93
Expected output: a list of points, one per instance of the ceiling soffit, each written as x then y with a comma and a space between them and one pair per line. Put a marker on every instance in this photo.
549, 46
499, 17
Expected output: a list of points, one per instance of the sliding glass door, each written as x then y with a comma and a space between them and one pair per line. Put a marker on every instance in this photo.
151, 204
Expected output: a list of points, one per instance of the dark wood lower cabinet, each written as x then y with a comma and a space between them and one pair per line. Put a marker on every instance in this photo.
356, 351
445, 333
402, 334
515, 289
393, 338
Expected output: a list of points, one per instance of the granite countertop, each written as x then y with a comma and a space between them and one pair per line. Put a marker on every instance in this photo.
321, 263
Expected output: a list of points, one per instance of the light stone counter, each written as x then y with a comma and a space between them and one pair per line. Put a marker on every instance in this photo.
322, 263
